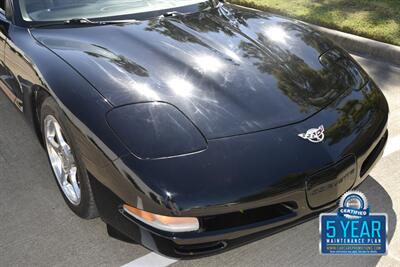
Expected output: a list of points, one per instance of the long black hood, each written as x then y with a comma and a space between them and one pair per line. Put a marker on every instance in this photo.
229, 70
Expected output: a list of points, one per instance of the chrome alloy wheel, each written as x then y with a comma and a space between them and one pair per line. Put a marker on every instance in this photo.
62, 160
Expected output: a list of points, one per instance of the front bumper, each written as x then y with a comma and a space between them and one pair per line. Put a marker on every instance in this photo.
233, 210
202, 243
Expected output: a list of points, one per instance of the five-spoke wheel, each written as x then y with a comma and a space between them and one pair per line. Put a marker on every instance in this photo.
62, 160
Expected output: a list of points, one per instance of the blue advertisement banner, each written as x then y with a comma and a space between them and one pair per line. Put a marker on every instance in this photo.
353, 229
365, 235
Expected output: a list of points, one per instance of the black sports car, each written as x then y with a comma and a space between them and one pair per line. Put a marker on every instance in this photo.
190, 126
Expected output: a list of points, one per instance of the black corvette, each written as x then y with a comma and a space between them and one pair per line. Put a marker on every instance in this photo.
190, 126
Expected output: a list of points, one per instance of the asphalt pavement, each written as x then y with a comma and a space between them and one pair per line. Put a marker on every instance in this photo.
38, 229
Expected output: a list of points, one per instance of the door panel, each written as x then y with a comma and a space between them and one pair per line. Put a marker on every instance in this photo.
20, 72
4, 73
16, 70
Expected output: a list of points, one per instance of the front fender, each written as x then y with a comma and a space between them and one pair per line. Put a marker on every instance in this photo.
84, 107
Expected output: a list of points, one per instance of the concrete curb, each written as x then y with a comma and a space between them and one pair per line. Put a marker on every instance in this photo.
360, 45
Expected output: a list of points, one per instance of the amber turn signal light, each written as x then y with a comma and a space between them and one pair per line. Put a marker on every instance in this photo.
165, 223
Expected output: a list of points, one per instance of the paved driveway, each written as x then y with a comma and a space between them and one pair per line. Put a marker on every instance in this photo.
37, 229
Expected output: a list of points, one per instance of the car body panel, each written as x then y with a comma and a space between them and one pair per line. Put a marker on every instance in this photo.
40, 69
238, 172
229, 70
254, 156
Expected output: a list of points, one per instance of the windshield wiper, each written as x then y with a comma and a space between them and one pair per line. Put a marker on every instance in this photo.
172, 14
78, 21
83, 21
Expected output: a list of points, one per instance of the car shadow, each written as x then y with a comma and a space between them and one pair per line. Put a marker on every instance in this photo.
299, 246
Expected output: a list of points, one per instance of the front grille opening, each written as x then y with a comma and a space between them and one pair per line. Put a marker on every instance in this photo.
267, 214
200, 249
369, 161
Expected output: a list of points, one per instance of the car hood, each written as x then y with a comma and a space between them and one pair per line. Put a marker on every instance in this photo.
230, 70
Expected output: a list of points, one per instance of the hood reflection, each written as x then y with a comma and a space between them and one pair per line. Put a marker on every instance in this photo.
208, 64
180, 86
276, 34
258, 73
232, 55
146, 91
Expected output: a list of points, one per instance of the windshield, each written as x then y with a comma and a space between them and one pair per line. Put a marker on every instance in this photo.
60, 10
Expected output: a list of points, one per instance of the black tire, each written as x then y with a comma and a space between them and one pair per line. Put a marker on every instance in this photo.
87, 207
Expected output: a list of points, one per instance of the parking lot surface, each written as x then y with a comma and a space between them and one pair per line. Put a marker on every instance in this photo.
38, 229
